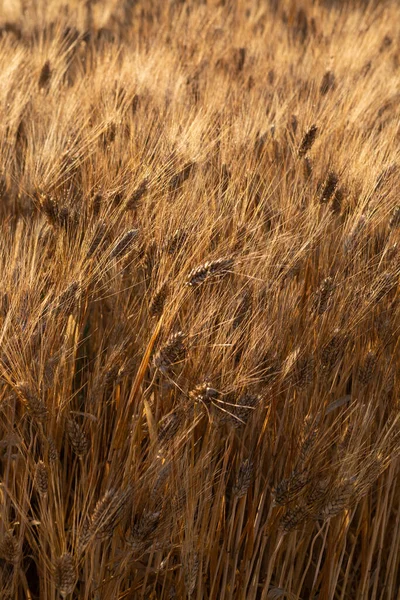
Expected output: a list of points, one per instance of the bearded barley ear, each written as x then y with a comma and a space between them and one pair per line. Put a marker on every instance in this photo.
158, 301
323, 296
317, 495
124, 245
303, 372
367, 368
175, 242
243, 478
162, 477
336, 205
294, 517
259, 144
288, 489
67, 300
65, 574
239, 57
293, 124
307, 445
203, 393
9, 547
77, 438
386, 175
243, 309
67, 218
150, 259
329, 187
84, 536
327, 83
301, 26
143, 531
45, 75
34, 404
172, 353
385, 284
108, 512
210, 270
191, 570
52, 449
49, 206
331, 352
243, 410
394, 222
308, 140
96, 202
307, 168
41, 479
49, 372
179, 179
98, 239
137, 195
352, 238
342, 497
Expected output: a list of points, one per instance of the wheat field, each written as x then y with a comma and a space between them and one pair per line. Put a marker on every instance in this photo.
199, 301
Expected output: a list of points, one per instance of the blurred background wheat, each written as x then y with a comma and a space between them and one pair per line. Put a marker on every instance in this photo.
199, 302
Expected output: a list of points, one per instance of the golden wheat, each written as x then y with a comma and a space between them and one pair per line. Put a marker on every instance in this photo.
199, 310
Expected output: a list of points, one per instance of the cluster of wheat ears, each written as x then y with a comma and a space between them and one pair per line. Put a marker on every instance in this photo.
199, 301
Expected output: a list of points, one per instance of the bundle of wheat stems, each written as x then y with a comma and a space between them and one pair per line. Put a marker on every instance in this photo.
199, 302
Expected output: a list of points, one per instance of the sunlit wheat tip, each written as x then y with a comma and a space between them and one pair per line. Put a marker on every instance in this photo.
209, 270
124, 245
203, 393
